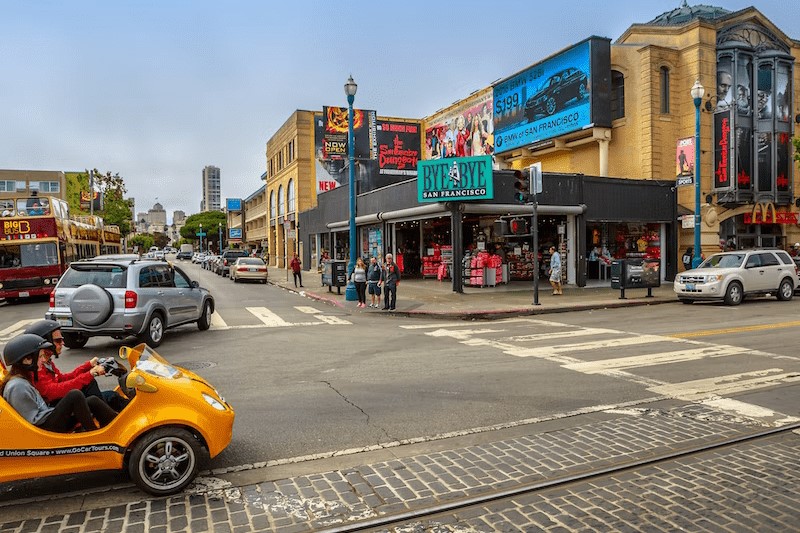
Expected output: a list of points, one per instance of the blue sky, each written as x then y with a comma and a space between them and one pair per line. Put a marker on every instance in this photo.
156, 90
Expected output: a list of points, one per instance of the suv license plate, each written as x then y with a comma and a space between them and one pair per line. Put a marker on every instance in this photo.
690, 286
64, 321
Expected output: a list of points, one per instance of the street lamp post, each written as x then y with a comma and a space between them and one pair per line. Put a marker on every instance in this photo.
220, 238
697, 95
350, 90
201, 237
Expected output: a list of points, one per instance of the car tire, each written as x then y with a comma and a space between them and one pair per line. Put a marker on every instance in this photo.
153, 333
91, 305
734, 294
785, 291
164, 461
75, 341
205, 319
550, 106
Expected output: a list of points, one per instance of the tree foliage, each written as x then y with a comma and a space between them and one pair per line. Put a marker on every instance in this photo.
210, 221
116, 208
143, 241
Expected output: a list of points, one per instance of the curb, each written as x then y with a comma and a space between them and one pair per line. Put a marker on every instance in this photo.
489, 314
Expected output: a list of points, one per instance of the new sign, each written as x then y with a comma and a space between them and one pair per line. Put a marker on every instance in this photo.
457, 178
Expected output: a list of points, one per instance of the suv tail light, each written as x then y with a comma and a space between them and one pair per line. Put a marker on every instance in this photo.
53, 299
131, 298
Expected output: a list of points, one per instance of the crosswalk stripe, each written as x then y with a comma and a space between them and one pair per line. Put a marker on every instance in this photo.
217, 322
270, 319
335, 320
307, 309
709, 388
562, 334
17, 327
640, 361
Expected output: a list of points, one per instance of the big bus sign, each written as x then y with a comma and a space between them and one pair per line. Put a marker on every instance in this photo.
28, 229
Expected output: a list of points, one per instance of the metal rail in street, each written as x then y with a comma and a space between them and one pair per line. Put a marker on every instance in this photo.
523, 489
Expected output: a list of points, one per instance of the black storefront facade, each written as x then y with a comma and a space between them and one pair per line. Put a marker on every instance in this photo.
590, 220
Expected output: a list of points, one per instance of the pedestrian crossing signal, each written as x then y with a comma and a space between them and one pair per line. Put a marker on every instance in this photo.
522, 184
518, 226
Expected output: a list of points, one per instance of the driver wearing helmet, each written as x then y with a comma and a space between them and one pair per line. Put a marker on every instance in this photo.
53, 385
20, 357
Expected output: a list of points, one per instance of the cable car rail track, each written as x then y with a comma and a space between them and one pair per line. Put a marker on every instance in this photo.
396, 519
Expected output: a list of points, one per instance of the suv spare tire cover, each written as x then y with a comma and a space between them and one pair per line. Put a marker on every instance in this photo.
91, 305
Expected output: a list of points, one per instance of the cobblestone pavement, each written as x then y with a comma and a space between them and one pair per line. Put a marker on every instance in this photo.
755, 483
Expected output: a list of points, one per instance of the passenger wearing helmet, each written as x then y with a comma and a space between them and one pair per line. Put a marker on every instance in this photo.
53, 385
21, 356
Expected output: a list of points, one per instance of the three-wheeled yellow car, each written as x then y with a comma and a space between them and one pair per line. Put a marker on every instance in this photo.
173, 417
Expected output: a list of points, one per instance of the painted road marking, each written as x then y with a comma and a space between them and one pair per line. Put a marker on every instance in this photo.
270, 319
217, 322
740, 329
308, 310
709, 388
335, 320
640, 361
16, 328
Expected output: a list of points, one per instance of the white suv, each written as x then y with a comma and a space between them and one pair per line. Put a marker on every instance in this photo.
731, 276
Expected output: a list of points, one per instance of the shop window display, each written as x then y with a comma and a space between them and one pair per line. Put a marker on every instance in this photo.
610, 241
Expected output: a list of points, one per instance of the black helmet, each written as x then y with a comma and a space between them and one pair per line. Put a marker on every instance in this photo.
23, 346
43, 328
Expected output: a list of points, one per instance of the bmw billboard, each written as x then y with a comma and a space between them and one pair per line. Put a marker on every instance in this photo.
566, 92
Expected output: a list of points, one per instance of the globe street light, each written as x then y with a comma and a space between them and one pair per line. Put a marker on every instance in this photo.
697, 94
350, 90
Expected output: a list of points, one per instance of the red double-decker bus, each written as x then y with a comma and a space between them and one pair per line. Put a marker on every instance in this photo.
38, 241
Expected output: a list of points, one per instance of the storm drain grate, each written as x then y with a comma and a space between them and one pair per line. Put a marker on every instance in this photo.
196, 365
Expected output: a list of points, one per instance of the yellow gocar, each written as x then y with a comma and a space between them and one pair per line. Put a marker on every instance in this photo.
174, 420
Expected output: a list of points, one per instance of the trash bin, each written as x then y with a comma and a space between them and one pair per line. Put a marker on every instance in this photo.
334, 274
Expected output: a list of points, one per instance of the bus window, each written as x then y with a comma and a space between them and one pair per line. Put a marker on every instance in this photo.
38, 254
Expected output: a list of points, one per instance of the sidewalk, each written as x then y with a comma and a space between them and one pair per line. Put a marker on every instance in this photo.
430, 297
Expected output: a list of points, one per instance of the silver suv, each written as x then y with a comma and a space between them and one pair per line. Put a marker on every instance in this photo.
731, 276
119, 298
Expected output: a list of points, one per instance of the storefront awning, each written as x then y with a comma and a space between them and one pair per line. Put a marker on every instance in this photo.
420, 211
513, 209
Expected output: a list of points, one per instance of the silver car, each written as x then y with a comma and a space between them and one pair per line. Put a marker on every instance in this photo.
732, 276
126, 297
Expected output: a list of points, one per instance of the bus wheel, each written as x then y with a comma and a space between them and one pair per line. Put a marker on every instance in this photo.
75, 340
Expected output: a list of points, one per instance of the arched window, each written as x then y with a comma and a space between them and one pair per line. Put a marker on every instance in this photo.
272, 212
617, 95
281, 201
664, 90
292, 207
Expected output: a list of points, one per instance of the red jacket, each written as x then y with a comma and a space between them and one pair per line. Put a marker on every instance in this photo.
53, 385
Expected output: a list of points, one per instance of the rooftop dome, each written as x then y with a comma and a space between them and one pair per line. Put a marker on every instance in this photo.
687, 13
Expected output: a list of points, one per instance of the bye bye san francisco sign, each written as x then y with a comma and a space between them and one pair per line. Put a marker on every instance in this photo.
454, 179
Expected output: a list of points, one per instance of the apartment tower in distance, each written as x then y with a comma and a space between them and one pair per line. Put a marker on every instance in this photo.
211, 193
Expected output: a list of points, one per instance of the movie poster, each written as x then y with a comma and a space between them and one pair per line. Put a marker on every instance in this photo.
331, 149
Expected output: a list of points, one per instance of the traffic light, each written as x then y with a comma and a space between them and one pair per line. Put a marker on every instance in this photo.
522, 184
518, 226
500, 227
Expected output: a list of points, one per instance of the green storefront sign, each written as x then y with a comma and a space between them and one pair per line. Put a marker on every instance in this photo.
455, 179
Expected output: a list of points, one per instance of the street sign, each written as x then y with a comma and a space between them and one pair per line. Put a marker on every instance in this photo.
201, 233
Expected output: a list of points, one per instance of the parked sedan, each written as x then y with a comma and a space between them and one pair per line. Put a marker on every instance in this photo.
249, 268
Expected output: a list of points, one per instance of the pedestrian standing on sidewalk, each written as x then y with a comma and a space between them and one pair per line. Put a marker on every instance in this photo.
359, 278
374, 274
555, 271
296, 271
391, 278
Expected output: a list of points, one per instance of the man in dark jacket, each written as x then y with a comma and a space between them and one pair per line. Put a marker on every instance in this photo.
391, 278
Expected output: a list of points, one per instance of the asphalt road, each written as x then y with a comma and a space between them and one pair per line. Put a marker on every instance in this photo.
306, 378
